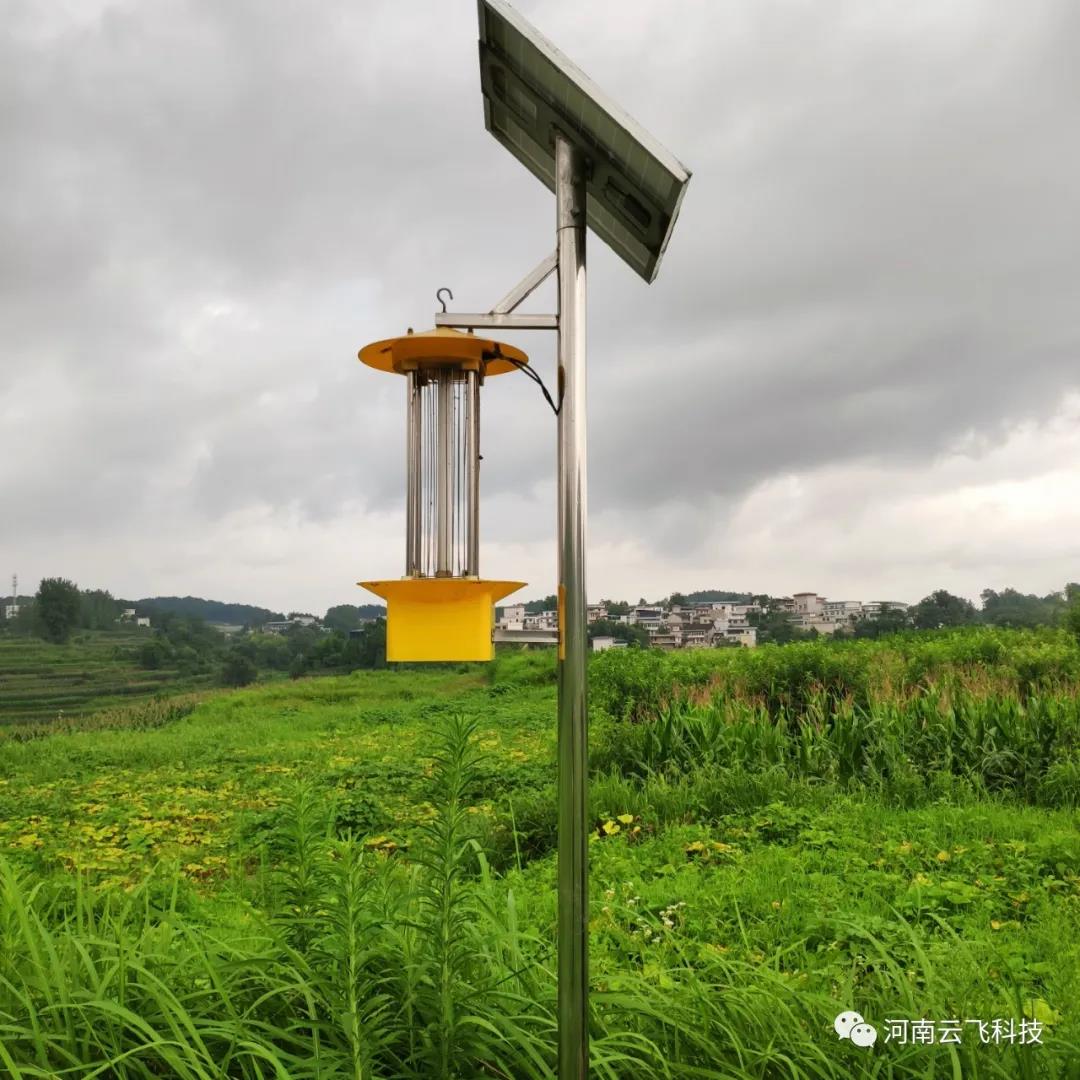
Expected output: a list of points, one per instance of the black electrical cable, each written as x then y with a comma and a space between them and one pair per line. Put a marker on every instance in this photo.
523, 367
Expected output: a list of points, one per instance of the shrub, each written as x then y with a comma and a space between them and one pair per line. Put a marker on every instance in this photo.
238, 671
153, 654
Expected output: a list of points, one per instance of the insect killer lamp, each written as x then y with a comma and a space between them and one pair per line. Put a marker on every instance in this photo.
442, 609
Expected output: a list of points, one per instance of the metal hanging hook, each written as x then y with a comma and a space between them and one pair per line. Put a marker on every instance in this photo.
438, 296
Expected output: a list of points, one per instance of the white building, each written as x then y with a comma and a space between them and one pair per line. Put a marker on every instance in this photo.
696, 636
712, 623
11, 610
719, 608
142, 620
808, 603
808, 613
513, 617
842, 611
540, 620
649, 617
875, 607
742, 635
731, 622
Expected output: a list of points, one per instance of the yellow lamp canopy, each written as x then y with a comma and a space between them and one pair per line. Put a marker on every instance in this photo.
442, 609
442, 347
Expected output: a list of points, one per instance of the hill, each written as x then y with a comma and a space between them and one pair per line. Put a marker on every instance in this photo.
213, 611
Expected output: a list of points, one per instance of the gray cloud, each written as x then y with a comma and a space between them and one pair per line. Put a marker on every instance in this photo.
205, 209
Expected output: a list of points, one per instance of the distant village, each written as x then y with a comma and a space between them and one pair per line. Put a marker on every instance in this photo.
702, 624
707, 624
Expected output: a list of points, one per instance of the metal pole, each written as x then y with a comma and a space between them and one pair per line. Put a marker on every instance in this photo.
573, 867
472, 473
412, 478
444, 494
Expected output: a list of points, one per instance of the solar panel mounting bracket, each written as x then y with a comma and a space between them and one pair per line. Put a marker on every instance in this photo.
497, 321
500, 316
527, 285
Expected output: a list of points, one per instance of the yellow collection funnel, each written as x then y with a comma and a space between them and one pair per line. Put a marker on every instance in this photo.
440, 618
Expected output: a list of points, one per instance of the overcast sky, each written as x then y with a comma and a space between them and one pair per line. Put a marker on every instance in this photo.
858, 371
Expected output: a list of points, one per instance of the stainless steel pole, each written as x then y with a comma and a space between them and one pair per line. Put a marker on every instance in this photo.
472, 473
444, 494
573, 868
412, 478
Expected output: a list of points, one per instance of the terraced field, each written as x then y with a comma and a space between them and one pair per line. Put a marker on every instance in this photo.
40, 682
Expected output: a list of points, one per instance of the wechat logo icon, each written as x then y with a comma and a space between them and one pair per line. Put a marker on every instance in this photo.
851, 1025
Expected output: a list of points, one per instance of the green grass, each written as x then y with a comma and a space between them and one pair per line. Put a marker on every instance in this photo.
342, 877
41, 683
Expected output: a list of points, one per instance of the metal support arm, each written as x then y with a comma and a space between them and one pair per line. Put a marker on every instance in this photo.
500, 316
497, 321
527, 285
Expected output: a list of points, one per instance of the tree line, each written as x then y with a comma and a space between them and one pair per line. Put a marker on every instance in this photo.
186, 643
349, 639
940, 610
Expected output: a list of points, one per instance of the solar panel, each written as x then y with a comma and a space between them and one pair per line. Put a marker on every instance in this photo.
634, 186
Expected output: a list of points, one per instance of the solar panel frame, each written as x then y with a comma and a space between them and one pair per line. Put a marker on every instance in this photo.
634, 187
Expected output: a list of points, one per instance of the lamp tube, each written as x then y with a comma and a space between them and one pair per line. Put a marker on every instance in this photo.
412, 477
472, 473
444, 482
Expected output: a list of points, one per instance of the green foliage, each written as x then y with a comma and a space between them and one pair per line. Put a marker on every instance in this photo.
346, 617
194, 607
1016, 609
514, 666
343, 617
269, 652
25, 623
56, 606
890, 620
711, 596
95, 670
369, 650
547, 603
993, 744
238, 670
941, 609
154, 654
98, 610
355, 875
636, 635
774, 626
146, 715
314, 651
632, 685
1071, 618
